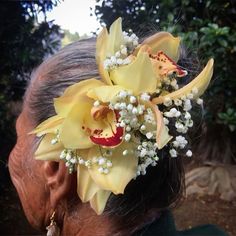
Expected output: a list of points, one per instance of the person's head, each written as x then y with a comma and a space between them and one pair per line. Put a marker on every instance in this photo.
45, 186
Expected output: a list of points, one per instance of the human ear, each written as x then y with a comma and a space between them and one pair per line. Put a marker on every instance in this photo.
58, 180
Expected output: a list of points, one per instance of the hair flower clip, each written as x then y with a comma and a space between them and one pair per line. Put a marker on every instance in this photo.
111, 130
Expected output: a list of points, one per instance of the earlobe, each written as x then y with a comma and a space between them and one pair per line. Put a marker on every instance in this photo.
58, 181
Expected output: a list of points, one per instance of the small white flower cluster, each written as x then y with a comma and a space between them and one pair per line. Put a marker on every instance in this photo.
103, 164
149, 117
199, 101
131, 40
56, 139
173, 152
135, 117
147, 154
71, 159
180, 142
177, 114
145, 97
129, 112
171, 83
173, 112
121, 57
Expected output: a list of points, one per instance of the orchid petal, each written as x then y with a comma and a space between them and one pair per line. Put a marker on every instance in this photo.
51, 125
86, 187
162, 132
166, 42
101, 53
164, 66
47, 151
101, 46
137, 76
72, 94
99, 200
104, 93
201, 83
104, 74
115, 37
73, 134
122, 172
107, 45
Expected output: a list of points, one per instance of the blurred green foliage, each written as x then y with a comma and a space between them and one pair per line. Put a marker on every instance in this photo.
24, 43
207, 28
228, 118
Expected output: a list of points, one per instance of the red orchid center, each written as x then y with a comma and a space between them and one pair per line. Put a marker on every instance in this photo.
107, 134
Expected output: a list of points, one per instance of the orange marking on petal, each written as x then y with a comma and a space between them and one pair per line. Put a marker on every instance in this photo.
100, 112
165, 65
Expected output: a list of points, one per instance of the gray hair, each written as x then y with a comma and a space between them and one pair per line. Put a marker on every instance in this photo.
70, 65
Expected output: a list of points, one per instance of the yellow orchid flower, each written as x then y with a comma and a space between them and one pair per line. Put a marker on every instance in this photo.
104, 126
109, 43
200, 83
76, 121
82, 126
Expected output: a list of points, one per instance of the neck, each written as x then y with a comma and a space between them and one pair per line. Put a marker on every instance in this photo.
87, 223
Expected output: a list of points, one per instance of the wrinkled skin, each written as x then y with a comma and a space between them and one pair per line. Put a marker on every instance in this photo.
28, 182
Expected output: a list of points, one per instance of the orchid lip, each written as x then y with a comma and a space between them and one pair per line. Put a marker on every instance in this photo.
111, 141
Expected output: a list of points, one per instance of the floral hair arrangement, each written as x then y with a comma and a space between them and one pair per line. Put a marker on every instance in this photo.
111, 130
